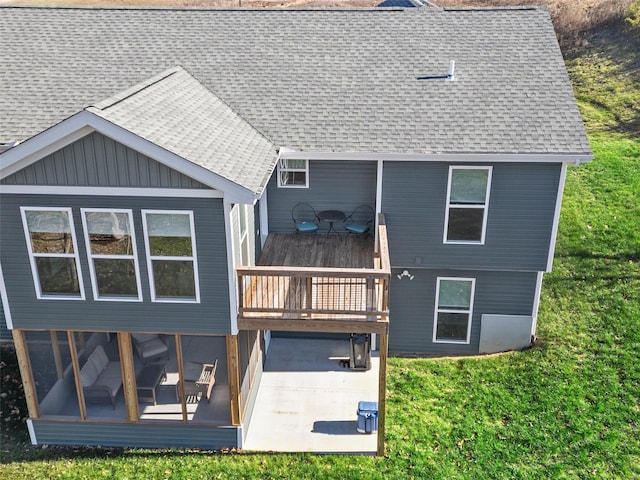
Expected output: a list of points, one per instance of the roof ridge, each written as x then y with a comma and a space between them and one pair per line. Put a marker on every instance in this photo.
135, 89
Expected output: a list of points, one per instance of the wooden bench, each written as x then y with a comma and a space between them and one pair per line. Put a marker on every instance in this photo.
207, 378
198, 384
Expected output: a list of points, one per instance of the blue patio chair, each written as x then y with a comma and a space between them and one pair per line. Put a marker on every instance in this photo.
305, 218
360, 220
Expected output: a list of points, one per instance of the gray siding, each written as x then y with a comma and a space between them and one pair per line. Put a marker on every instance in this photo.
519, 224
5, 333
412, 306
341, 185
99, 161
135, 435
209, 316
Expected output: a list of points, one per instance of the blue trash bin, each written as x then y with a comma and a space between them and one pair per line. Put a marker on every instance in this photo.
367, 417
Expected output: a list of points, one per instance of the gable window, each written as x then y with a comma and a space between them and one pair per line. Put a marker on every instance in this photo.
171, 255
111, 248
467, 204
293, 173
53, 252
454, 308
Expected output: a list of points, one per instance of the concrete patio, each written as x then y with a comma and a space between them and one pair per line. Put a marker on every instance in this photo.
307, 401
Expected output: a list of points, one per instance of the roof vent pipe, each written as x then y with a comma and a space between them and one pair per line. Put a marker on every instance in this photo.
452, 67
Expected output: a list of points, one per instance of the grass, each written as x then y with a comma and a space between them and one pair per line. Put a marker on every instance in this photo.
567, 408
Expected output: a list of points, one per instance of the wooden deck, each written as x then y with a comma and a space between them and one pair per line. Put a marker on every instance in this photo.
317, 282
316, 250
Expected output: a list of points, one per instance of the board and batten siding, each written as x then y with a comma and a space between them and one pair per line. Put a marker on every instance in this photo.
412, 306
211, 315
333, 185
99, 161
519, 225
140, 434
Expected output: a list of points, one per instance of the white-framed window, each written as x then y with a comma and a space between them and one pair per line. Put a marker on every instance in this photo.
293, 173
454, 310
53, 252
112, 253
169, 238
467, 204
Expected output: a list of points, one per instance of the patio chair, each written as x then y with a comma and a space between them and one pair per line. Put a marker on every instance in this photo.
360, 220
150, 347
305, 218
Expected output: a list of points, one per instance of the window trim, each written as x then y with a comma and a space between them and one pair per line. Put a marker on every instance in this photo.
437, 310
283, 168
91, 256
32, 255
150, 258
484, 206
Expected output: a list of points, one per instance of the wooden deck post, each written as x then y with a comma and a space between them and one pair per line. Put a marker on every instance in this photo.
57, 357
128, 377
25, 372
183, 398
233, 370
382, 392
76, 374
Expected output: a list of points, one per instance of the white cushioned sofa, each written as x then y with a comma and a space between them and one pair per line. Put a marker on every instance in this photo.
101, 378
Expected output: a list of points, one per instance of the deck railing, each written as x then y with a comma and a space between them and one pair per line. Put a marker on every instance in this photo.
298, 293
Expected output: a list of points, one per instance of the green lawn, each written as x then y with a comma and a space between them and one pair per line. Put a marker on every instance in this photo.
567, 408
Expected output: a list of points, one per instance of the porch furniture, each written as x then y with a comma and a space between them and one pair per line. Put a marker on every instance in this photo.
150, 347
360, 220
304, 218
101, 378
148, 381
199, 379
331, 217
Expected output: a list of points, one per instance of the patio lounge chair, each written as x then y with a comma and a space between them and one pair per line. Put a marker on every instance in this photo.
150, 347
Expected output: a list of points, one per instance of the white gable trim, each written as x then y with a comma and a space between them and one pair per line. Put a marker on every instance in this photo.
85, 122
577, 159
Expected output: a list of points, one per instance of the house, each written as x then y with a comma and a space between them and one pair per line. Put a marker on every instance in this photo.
151, 162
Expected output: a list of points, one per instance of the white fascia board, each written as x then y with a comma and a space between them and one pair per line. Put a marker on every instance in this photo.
44, 143
111, 191
5, 302
439, 157
85, 122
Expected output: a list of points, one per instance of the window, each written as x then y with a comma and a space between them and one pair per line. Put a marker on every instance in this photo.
454, 306
53, 252
293, 173
111, 248
171, 256
467, 202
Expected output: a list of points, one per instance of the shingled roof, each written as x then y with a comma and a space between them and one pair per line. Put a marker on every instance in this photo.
176, 112
363, 80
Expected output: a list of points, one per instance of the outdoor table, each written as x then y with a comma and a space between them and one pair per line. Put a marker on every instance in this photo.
330, 217
148, 381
